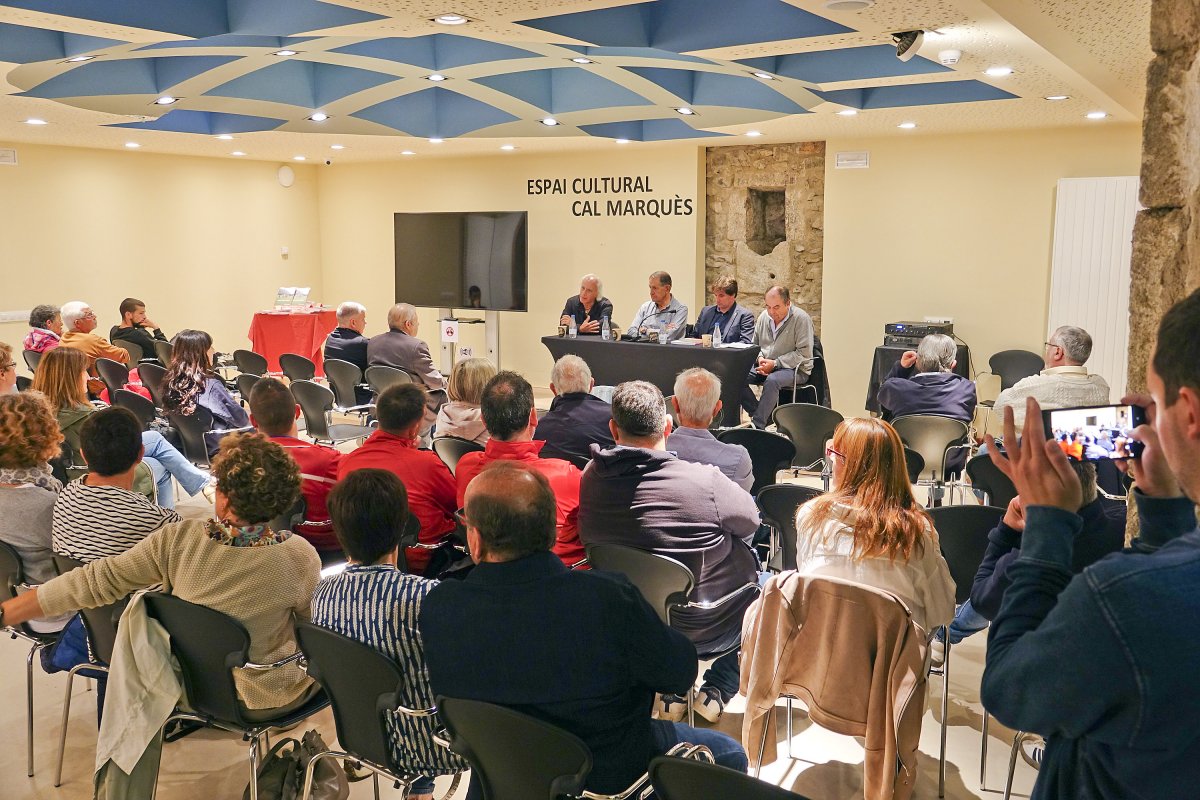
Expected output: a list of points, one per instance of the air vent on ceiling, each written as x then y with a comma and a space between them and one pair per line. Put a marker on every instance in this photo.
859, 160
8, 156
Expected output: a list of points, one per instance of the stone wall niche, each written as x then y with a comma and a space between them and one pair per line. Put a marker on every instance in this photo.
765, 221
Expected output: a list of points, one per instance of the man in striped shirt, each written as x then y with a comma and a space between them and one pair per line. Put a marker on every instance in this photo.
100, 515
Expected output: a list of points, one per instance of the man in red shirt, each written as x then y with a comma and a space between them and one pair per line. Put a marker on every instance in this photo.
400, 410
274, 412
509, 416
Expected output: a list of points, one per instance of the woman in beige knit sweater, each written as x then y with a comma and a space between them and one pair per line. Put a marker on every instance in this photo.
233, 563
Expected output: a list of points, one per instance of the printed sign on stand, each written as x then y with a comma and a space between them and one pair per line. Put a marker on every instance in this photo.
449, 330
466, 351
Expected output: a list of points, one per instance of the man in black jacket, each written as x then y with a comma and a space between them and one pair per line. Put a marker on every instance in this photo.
347, 342
577, 419
137, 328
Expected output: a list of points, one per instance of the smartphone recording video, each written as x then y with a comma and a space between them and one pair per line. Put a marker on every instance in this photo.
1095, 433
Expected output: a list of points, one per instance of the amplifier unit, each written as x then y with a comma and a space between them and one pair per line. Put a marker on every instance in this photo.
911, 342
918, 329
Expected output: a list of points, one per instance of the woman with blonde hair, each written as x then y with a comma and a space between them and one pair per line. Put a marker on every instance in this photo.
870, 529
461, 417
62, 378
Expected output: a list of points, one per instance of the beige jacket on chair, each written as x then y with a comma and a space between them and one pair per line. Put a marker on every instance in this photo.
854, 656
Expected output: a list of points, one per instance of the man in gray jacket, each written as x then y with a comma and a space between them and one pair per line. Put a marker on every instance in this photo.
400, 347
784, 335
697, 403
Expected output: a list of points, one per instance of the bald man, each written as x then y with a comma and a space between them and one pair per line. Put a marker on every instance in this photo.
399, 347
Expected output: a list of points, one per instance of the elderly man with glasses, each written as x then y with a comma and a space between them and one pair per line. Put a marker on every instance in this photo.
79, 324
1064, 383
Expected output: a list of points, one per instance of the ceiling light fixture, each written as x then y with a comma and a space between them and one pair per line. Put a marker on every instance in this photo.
78, 59
35, 121
766, 76
132, 145
998, 72
319, 116
582, 60
848, 5
908, 126
436, 77
299, 158
621, 141
337, 147
237, 153
436, 140
687, 112
224, 137
286, 53
848, 112
1097, 114
1058, 97
550, 122
508, 147
754, 134
166, 100
451, 19
407, 153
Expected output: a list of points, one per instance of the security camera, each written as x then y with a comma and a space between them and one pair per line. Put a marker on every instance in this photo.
908, 43
328, 162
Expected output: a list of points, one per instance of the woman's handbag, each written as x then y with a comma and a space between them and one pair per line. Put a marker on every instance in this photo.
281, 774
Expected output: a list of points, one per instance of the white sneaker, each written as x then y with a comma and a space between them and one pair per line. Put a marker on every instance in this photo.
1032, 749
670, 707
937, 653
708, 703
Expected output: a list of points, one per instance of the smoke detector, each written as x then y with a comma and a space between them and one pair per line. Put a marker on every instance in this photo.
949, 57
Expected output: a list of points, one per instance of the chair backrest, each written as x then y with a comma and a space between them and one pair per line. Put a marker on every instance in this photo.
142, 408
809, 427
23, 384
363, 686
250, 362
688, 779
930, 436
380, 377
101, 623
662, 580
914, 464
987, 477
114, 374
513, 755
245, 385
208, 645
32, 359
314, 400
163, 351
1110, 479
134, 350
288, 519
779, 503
963, 533
192, 428
1013, 365
451, 448
769, 452
297, 367
343, 377
153, 376
12, 574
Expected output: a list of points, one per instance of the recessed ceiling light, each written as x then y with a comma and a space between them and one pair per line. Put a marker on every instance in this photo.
337, 147
550, 122
848, 5
132, 145
754, 134
436, 140
622, 141
436, 77
508, 147
298, 158
1097, 114
407, 153
582, 60
285, 52
998, 72
1058, 97
237, 153
319, 116
908, 126
687, 112
166, 100
848, 112
77, 59
766, 76
224, 137
35, 121
450, 19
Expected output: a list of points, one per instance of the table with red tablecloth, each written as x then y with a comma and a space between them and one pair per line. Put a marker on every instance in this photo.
273, 333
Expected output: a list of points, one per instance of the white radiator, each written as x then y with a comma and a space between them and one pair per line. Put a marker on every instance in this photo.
1089, 284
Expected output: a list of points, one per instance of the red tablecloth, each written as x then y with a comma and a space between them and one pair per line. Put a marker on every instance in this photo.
273, 333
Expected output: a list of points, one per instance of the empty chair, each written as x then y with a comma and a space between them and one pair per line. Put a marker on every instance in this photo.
451, 448
142, 408
933, 438
245, 385
114, 374
32, 357
779, 503
192, 433
1013, 365
344, 378
687, 779
297, 368
250, 362
987, 478
162, 350
316, 402
380, 378
133, 348
809, 427
769, 452
152, 376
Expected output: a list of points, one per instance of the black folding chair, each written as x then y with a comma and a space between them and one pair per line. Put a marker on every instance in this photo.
779, 503
684, 779
769, 452
245, 385
134, 350
809, 427
297, 368
163, 351
987, 478
142, 408
114, 374
250, 363
344, 379
316, 403
452, 448
934, 438
381, 377
32, 359
153, 378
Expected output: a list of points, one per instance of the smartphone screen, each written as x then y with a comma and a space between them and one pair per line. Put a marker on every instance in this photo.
1095, 433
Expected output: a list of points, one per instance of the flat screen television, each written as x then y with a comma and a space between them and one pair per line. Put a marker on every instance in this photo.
469, 259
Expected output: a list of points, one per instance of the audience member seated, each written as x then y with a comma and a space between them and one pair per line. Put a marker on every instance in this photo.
510, 418
923, 381
784, 336
1064, 383
375, 603
273, 411
639, 495
400, 410
400, 347
581, 650
870, 529
136, 327
589, 307
47, 328
1101, 663
29, 438
191, 382
461, 416
347, 342
735, 320
662, 312
577, 419
233, 563
8, 370
100, 515
61, 378
79, 321
697, 403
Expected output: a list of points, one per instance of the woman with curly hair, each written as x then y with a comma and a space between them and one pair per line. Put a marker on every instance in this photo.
461, 417
870, 529
191, 383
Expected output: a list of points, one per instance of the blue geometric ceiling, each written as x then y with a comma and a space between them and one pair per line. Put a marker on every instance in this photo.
621, 72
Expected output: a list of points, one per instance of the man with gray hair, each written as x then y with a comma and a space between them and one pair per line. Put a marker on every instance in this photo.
662, 311
639, 495
697, 403
399, 347
785, 337
1064, 383
923, 381
79, 322
577, 419
589, 307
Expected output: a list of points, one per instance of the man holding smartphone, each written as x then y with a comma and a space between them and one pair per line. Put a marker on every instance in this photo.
1103, 664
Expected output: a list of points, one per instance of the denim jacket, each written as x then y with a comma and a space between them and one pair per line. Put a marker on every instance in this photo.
1104, 664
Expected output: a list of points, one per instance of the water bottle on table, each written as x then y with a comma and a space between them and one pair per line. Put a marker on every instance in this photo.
605, 328
716, 335
572, 328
